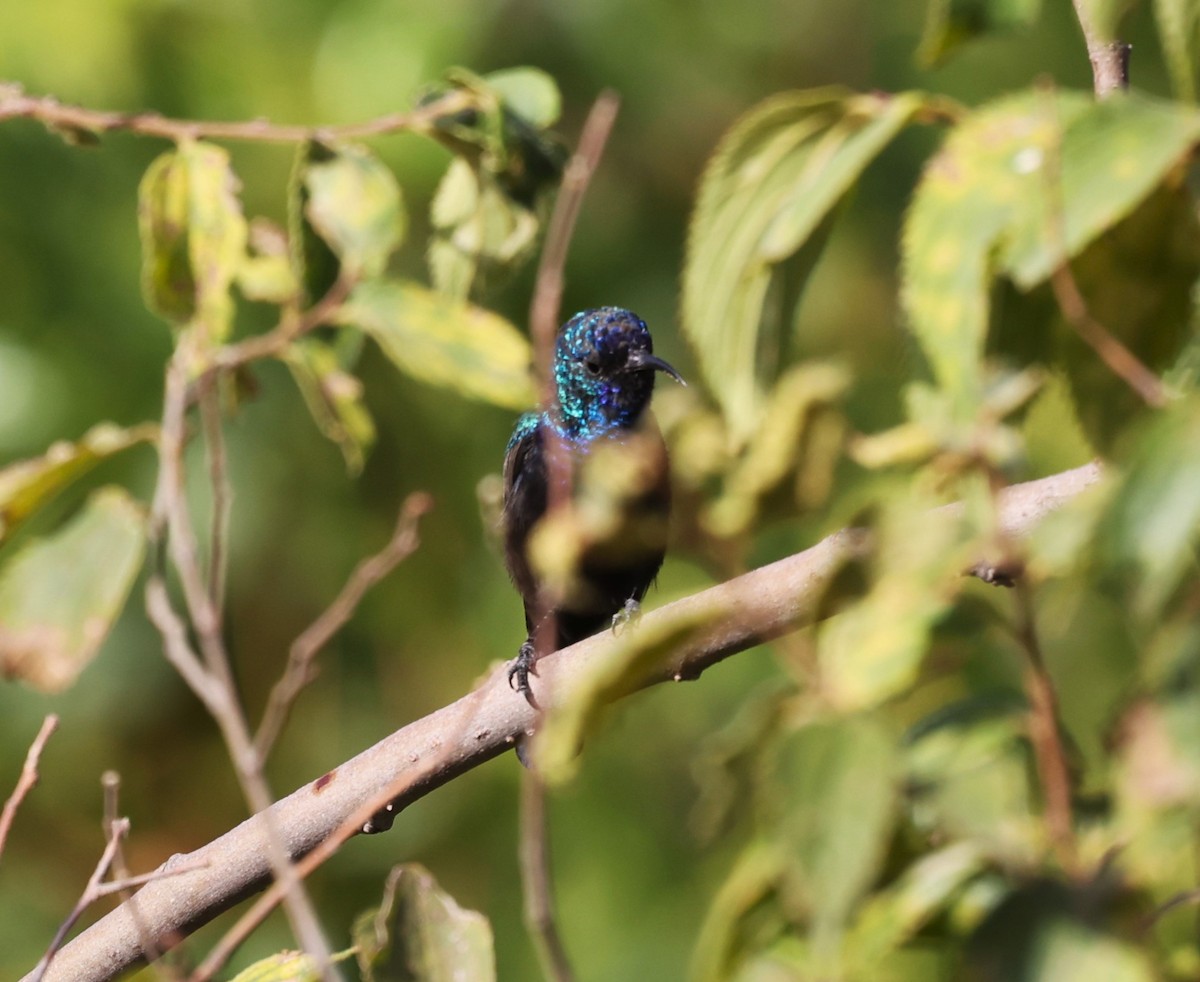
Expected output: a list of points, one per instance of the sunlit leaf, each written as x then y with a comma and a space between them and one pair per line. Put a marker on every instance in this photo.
1018, 187
529, 92
286, 966
951, 23
354, 204
444, 341
479, 233
193, 237
334, 396
28, 484
838, 784
767, 189
266, 273
420, 934
314, 263
60, 595
781, 445
639, 647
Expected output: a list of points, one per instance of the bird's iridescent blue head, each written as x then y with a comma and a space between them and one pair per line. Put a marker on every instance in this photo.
604, 367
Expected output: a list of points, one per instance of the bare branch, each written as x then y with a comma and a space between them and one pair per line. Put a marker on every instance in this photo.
15, 104
300, 670
432, 751
28, 778
1109, 57
219, 488
1045, 737
537, 881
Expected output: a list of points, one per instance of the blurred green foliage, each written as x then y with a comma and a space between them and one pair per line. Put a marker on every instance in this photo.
866, 801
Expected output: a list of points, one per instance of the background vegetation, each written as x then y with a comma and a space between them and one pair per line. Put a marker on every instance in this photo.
643, 839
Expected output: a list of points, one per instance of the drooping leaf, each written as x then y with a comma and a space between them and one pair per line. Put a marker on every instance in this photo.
28, 484
354, 204
782, 445
773, 180
444, 341
1154, 517
334, 396
60, 595
951, 23
420, 934
314, 262
266, 273
286, 966
892, 916
193, 237
838, 783
529, 92
479, 233
1178, 21
642, 646
1019, 187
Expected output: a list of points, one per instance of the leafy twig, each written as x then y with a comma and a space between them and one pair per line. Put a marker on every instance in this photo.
314, 821
15, 104
300, 670
28, 778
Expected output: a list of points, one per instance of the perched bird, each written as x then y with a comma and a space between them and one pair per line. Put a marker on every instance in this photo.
604, 369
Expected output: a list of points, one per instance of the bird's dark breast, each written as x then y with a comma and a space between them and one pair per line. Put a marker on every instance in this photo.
612, 570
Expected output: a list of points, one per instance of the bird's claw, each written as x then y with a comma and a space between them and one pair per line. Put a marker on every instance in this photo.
630, 611
520, 670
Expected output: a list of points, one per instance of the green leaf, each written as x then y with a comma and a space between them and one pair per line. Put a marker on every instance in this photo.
60, 595
642, 646
480, 234
840, 784
1154, 516
1178, 21
286, 966
892, 916
444, 341
193, 237
314, 264
354, 204
772, 181
529, 92
1019, 187
951, 23
334, 396
28, 484
266, 273
419, 934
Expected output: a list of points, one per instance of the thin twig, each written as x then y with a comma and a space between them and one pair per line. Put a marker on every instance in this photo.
15, 104
213, 672
317, 818
1123, 362
28, 778
1109, 57
537, 878
300, 670
1044, 735
537, 881
219, 488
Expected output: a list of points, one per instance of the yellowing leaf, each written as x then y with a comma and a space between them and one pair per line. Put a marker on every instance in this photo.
193, 237
354, 203
286, 966
60, 595
444, 341
334, 397
28, 484
765, 193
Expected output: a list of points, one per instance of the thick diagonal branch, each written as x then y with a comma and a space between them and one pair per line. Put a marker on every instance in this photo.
481, 725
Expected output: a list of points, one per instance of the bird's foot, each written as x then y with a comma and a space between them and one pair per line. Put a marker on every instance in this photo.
628, 614
521, 668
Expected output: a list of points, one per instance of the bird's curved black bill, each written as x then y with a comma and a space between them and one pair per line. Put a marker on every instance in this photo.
643, 361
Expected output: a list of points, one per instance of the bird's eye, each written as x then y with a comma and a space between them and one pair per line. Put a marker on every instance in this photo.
591, 365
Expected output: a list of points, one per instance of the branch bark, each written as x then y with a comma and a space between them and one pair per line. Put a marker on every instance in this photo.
432, 751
